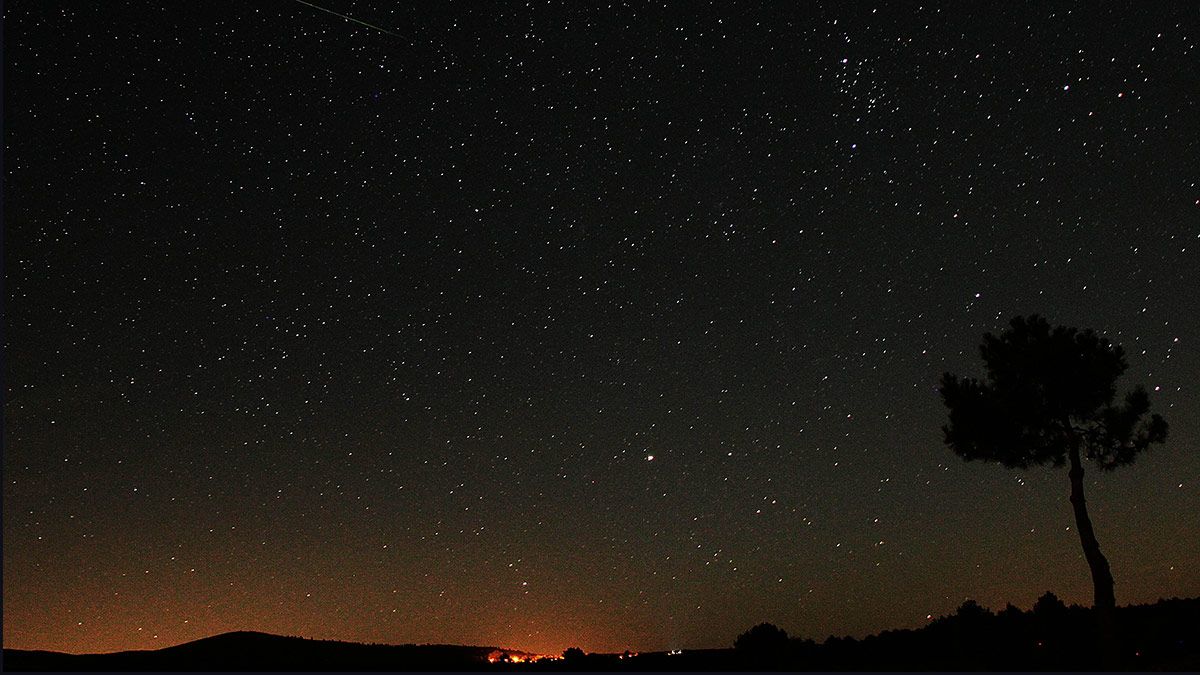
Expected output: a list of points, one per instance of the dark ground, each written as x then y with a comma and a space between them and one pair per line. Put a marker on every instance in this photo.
1164, 636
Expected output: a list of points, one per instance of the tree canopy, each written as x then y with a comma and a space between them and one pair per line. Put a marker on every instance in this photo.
1045, 389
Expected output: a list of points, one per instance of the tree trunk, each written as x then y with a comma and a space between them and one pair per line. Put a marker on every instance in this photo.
1108, 648
1102, 580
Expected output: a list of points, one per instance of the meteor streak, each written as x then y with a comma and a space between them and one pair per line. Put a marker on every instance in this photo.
350, 18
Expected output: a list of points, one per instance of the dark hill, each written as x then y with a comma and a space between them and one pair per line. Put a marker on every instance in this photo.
251, 651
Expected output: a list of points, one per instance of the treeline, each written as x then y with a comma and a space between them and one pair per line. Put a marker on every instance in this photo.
1050, 636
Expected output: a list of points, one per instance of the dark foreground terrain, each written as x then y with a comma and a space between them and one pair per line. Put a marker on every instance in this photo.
1164, 636
249, 651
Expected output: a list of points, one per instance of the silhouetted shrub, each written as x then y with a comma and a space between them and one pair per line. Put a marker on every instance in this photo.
972, 611
765, 638
1049, 605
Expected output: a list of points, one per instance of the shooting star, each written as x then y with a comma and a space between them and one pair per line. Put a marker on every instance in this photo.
350, 18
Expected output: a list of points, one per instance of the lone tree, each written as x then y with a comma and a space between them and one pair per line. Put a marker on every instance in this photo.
1048, 398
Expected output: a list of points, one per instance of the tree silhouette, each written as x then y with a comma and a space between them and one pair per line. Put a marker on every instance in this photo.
972, 611
1048, 398
1049, 605
764, 641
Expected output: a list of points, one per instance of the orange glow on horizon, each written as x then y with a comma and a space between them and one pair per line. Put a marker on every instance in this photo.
503, 656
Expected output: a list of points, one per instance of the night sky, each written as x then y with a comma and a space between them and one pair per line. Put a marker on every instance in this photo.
545, 326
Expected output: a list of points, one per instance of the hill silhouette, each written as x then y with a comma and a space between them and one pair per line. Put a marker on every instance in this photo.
1164, 636
253, 651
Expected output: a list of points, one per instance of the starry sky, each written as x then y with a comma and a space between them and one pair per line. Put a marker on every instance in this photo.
553, 325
